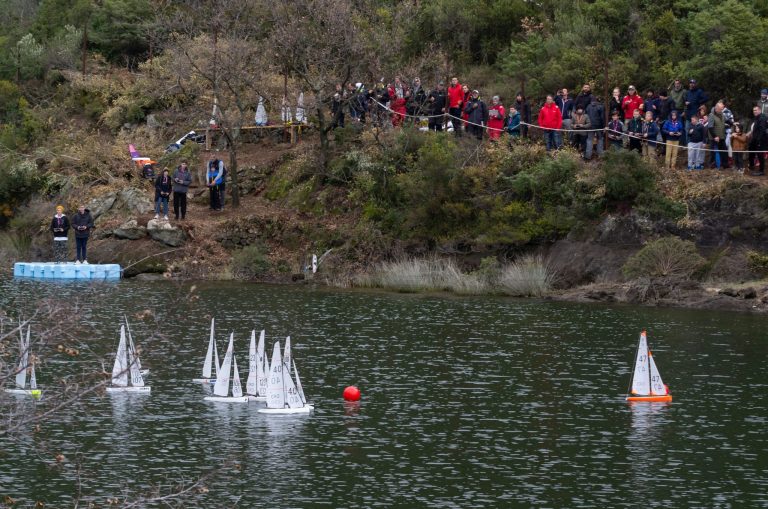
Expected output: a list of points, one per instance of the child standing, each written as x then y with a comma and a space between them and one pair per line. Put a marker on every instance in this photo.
695, 143
615, 130
650, 130
739, 145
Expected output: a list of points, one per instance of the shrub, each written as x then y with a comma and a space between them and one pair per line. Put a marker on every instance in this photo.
665, 257
530, 276
758, 262
250, 262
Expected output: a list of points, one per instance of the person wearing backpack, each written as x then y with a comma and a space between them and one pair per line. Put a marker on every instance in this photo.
217, 173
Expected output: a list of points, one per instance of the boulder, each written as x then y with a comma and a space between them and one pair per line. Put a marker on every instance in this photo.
165, 232
133, 200
130, 230
101, 204
128, 201
152, 121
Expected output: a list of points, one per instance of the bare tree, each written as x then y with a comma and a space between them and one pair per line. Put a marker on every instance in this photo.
215, 57
320, 44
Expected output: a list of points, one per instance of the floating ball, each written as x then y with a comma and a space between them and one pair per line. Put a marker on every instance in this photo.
352, 393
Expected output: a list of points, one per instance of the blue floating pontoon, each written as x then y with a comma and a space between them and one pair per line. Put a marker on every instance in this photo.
43, 270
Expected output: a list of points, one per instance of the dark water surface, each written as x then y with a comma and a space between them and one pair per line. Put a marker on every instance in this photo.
467, 402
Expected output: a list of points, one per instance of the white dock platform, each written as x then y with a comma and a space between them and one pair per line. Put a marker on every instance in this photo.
50, 270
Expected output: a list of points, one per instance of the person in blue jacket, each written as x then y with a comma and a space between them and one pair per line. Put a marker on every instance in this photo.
650, 131
673, 132
215, 178
513, 124
694, 98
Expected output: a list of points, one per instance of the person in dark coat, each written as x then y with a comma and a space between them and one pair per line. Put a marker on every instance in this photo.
163, 189
758, 136
60, 229
522, 106
182, 178
436, 107
478, 115
596, 114
82, 223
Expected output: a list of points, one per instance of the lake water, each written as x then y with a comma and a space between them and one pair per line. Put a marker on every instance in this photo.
466, 402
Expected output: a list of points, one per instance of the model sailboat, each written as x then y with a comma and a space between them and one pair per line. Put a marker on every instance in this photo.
26, 367
126, 372
646, 381
283, 395
221, 388
210, 356
256, 385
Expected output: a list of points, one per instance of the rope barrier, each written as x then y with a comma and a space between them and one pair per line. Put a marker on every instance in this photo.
535, 126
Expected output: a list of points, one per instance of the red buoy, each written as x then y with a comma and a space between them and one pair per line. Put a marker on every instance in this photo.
352, 393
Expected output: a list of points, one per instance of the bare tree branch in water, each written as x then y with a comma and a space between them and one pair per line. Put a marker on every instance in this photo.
68, 350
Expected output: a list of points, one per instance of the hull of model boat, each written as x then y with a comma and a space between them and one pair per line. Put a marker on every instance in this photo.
204, 380
144, 372
35, 393
256, 398
650, 399
287, 411
142, 390
227, 399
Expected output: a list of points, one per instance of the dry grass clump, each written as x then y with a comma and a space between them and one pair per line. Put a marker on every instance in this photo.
529, 276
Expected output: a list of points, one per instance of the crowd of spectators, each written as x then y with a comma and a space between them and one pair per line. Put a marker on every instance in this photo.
656, 124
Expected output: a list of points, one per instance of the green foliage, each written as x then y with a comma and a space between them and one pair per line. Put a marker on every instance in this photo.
669, 257
10, 96
29, 57
119, 29
250, 262
18, 181
629, 180
758, 262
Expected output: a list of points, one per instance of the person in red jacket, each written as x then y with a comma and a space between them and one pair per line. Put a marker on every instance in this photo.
630, 103
466, 96
398, 108
455, 104
496, 114
550, 119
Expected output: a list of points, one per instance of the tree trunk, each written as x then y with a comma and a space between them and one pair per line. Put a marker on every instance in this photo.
324, 143
233, 172
85, 46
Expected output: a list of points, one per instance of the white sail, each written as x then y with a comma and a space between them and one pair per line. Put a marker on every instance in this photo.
120, 369
250, 384
657, 385
287, 356
285, 111
291, 393
300, 116
641, 383
237, 389
216, 358
221, 387
21, 374
314, 263
32, 378
261, 113
137, 380
262, 368
209, 355
275, 384
130, 341
298, 385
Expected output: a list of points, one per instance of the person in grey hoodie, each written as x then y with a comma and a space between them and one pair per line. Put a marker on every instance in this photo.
82, 223
182, 178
